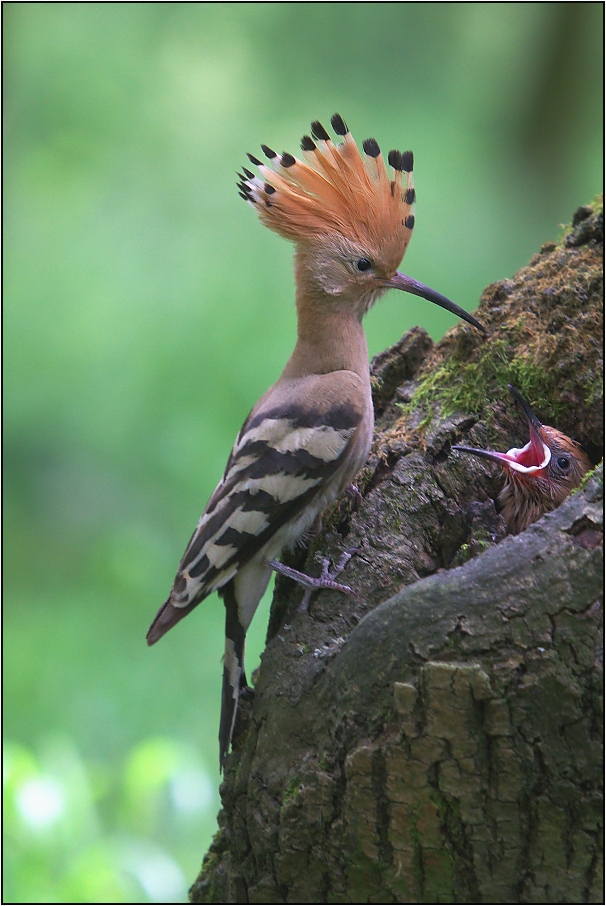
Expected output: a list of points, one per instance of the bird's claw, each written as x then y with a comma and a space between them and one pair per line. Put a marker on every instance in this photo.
326, 579
353, 492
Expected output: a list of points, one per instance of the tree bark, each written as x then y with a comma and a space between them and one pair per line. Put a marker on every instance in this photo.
436, 739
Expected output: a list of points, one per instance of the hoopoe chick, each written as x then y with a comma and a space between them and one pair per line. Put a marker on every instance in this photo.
540, 475
310, 433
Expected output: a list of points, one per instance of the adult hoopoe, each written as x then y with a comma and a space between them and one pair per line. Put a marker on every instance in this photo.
310, 433
540, 475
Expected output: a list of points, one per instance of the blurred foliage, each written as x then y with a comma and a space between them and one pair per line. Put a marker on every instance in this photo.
146, 310
61, 847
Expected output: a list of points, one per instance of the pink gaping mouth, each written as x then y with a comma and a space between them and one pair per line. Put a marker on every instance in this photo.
529, 460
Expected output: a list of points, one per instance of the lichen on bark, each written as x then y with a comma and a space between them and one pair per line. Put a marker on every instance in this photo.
437, 738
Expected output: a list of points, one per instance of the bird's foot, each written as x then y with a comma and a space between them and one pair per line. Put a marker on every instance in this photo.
326, 579
353, 492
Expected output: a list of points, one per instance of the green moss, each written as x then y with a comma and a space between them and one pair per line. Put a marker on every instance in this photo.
469, 388
324, 761
586, 478
292, 789
594, 391
597, 207
467, 551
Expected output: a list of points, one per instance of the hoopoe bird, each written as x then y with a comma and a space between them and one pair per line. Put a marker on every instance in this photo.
310, 433
539, 476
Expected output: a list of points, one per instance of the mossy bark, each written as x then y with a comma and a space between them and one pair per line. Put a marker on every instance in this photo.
436, 739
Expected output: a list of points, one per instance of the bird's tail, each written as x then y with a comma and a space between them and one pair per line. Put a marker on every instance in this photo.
233, 670
165, 619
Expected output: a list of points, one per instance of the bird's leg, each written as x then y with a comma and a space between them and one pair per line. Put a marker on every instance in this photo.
326, 579
353, 492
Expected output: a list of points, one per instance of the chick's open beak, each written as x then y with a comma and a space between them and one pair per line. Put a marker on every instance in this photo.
529, 460
408, 285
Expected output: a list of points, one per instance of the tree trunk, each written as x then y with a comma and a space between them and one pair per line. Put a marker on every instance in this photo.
436, 739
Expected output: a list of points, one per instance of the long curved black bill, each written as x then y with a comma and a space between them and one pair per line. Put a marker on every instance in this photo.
408, 285
532, 419
492, 455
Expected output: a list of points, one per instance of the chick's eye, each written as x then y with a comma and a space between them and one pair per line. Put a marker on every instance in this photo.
563, 463
363, 264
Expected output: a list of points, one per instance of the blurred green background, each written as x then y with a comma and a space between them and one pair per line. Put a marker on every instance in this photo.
146, 310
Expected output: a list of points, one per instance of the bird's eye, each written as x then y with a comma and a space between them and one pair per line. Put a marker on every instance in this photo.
563, 463
363, 264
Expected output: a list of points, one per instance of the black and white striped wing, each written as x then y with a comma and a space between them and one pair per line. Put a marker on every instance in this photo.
286, 452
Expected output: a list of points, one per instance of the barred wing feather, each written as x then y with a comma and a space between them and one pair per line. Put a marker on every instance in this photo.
287, 451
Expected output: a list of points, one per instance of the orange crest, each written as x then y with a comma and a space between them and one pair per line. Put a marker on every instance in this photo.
335, 189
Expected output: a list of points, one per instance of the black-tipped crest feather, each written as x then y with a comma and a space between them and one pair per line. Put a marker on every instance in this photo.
371, 147
319, 132
339, 124
407, 161
394, 159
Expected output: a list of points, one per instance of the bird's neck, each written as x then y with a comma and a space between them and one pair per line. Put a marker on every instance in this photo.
328, 341
330, 337
522, 503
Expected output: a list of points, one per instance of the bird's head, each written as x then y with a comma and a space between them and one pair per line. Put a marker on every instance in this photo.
350, 219
540, 475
